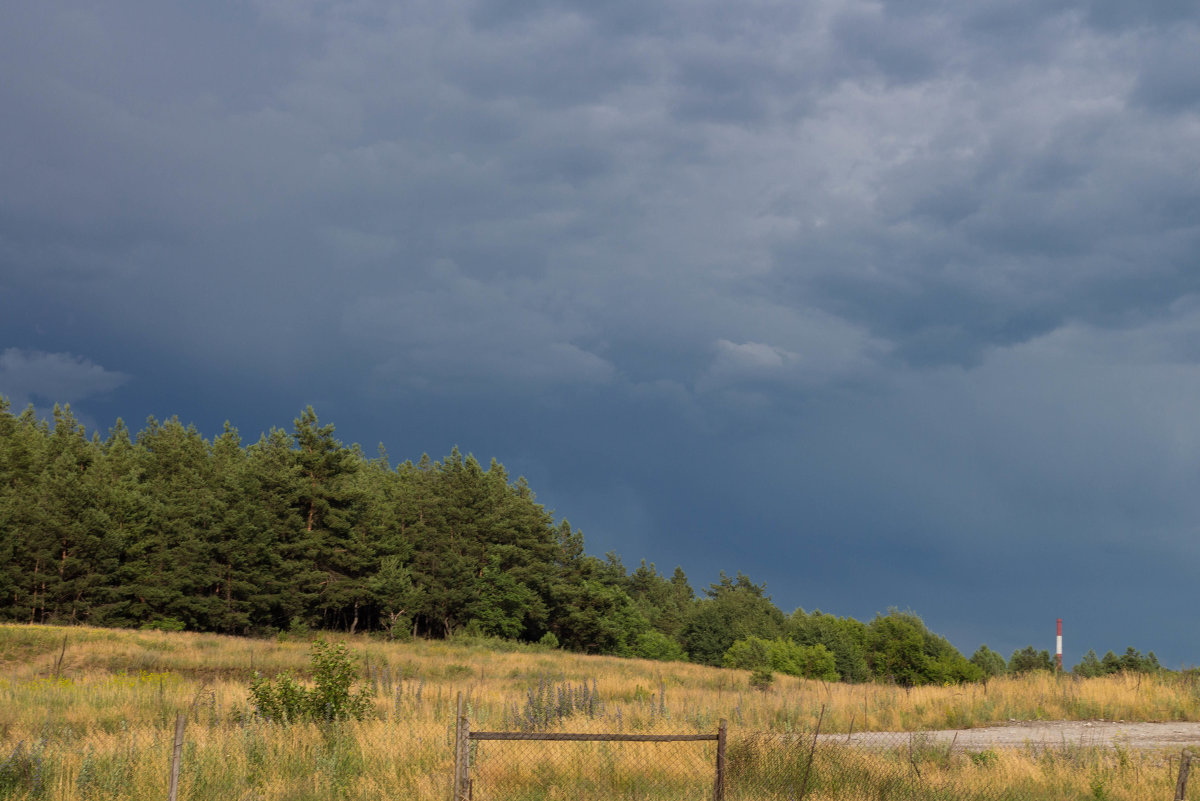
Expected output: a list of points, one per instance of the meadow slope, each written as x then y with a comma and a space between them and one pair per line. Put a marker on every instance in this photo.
93, 718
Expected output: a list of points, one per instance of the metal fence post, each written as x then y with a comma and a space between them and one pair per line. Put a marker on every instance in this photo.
719, 783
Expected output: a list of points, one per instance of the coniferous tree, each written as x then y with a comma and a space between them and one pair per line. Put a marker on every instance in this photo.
169, 573
1029, 659
22, 455
1089, 667
273, 487
241, 548
734, 609
70, 540
665, 603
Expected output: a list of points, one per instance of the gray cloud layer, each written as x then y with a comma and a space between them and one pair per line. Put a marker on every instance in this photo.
916, 278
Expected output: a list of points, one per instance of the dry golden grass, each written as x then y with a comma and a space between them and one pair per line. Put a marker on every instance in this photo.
98, 722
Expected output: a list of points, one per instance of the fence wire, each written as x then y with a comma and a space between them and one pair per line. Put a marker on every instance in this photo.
764, 766
547, 771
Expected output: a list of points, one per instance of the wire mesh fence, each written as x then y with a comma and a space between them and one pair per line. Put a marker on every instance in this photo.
523, 770
769, 766
923, 766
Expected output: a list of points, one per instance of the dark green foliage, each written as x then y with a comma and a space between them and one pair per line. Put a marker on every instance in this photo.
1089, 667
298, 532
1029, 659
734, 609
762, 679
167, 529
285, 700
665, 603
988, 661
656, 645
844, 637
902, 650
590, 609
1132, 661
784, 656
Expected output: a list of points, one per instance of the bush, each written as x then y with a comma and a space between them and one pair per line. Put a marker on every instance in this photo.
164, 624
285, 700
656, 645
762, 679
784, 656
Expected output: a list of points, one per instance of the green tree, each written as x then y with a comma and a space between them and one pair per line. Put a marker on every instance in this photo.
240, 543
656, 645
590, 608
23, 442
272, 489
665, 603
1029, 659
902, 650
733, 609
844, 637
1089, 667
991, 663
395, 594
330, 500
783, 656
69, 544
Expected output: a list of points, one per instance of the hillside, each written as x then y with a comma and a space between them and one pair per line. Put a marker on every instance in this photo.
98, 713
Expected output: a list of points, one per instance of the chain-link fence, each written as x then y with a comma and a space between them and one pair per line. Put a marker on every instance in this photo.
524, 770
764, 766
925, 766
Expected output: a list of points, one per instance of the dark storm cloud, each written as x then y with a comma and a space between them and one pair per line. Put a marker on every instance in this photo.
877, 286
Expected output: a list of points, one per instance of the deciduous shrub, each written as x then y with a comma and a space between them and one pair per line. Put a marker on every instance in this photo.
784, 656
285, 700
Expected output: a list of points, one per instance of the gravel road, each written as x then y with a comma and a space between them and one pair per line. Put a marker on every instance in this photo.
1054, 733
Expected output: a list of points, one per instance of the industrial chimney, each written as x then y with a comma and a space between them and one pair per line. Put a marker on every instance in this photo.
1058, 648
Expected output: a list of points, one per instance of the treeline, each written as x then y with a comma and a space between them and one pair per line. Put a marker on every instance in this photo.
165, 529
1029, 659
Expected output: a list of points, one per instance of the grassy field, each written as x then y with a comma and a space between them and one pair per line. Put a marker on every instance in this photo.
96, 720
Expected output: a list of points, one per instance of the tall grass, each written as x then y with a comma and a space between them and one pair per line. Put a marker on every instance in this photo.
96, 721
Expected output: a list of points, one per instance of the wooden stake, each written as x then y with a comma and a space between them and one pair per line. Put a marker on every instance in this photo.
176, 755
462, 754
719, 784
1185, 764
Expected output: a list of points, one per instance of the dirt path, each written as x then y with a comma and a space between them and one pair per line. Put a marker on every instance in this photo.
1053, 734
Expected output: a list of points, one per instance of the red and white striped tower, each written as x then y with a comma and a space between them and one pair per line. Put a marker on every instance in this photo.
1058, 647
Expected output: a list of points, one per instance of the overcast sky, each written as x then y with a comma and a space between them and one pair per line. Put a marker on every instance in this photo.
884, 304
